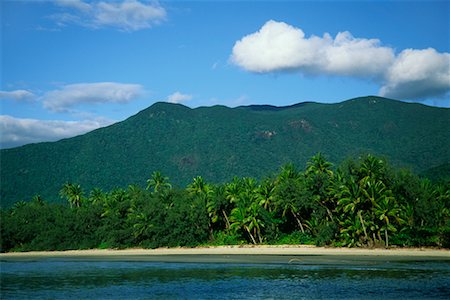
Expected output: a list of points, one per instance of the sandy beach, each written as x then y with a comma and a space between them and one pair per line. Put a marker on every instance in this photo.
241, 254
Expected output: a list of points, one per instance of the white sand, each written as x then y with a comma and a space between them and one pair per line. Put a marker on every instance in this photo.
260, 250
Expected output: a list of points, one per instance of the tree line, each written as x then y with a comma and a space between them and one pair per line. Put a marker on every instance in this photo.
361, 203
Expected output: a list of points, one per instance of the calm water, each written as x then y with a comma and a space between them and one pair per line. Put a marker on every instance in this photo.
63, 279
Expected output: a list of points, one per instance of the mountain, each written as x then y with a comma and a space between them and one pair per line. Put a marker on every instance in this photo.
220, 142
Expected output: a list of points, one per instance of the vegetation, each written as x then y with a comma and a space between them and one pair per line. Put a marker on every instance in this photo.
219, 143
363, 203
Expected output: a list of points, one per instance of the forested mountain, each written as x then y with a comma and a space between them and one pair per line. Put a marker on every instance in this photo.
220, 142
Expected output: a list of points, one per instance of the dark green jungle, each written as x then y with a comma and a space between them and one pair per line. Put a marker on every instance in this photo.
255, 174
219, 143
362, 203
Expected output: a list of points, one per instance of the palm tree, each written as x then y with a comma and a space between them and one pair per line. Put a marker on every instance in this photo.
254, 219
97, 196
266, 194
198, 186
288, 192
73, 193
239, 220
233, 190
288, 171
319, 165
142, 224
221, 204
17, 206
320, 178
388, 212
37, 199
351, 230
352, 201
372, 168
158, 182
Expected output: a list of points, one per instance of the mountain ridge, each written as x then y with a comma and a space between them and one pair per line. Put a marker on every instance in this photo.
219, 142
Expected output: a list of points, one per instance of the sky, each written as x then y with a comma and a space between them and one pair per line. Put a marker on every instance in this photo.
71, 66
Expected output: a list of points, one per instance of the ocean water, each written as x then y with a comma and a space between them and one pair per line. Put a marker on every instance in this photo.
78, 279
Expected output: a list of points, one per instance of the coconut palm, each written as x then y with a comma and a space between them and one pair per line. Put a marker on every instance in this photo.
319, 165
266, 194
199, 186
142, 224
288, 191
319, 178
372, 168
351, 230
220, 204
351, 202
239, 221
97, 196
388, 213
73, 193
38, 200
233, 190
158, 182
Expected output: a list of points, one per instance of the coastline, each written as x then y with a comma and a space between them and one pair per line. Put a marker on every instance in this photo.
298, 254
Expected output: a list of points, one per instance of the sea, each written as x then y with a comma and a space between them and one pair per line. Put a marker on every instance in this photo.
122, 279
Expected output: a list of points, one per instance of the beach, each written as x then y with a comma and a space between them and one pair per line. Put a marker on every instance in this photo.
227, 272
241, 254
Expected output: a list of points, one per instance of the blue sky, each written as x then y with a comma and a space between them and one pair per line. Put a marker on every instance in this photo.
72, 66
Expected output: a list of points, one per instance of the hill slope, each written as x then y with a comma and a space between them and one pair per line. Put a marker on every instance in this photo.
219, 142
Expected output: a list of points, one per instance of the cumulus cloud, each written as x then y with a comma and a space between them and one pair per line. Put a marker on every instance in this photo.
418, 74
178, 97
18, 95
16, 131
128, 15
279, 47
63, 99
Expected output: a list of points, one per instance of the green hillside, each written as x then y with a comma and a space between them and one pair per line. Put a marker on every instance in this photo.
219, 143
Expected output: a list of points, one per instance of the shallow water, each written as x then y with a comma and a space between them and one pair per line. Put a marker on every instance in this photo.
75, 279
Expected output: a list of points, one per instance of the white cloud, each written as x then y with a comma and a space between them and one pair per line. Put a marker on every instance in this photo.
128, 15
101, 92
75, 4
178, 97
17, 131
18, 95
418, 74
278, 47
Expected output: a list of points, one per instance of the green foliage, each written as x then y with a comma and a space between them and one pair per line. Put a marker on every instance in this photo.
364, 202
219, 143
296, 238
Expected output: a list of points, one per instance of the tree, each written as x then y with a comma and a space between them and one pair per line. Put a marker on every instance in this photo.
203, 191
266, 194
388, 213
158, 182
97, 196
73, 193
319, 179
351, 203
292, 199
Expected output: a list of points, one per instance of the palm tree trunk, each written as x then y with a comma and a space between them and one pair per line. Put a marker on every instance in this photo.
330, 214
299, 223
258, 233
386, 236
363, 225
226, 219
251, 236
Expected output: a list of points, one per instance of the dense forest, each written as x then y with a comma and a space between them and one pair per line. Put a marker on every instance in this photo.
361, 203
219, 142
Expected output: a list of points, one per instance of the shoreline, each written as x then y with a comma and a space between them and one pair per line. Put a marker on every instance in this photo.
239, 254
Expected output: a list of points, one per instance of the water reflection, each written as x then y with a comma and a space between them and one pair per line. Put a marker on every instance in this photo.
115, 279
